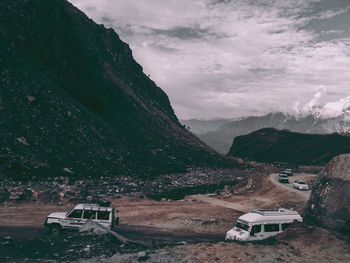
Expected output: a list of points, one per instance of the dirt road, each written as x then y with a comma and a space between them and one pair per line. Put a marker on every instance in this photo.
189, 220
209, 199
305, 194
197, 219
270, 194
141, 220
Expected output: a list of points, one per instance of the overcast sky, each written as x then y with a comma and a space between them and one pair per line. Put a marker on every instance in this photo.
230, 58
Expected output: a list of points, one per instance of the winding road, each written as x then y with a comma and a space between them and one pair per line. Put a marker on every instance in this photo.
247, 203
270, 193
274, 179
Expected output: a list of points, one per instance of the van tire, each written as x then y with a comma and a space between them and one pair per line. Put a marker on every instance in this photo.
55, 229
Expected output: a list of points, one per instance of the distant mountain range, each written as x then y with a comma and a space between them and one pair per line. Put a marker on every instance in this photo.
74, 102
222, 138
271, 145
199, 127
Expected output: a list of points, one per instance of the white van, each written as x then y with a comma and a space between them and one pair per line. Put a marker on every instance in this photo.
77, 217
261, 224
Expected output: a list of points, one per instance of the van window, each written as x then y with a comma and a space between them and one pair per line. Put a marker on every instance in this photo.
103, 215
272, 228
255, 229
75, 214
242, 225
89, 214
285, 225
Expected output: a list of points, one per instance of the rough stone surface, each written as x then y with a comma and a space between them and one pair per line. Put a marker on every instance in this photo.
329, 203
78, 105
94, 227
98, 229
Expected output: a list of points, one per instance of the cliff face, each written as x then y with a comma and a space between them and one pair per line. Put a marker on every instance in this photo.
271, 145
329, 200
74, 101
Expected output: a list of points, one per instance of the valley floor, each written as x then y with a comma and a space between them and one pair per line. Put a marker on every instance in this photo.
200, 221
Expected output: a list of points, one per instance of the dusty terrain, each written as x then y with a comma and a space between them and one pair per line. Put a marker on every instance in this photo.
202, 219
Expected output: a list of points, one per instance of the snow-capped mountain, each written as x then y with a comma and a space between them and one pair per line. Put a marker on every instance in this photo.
315, 122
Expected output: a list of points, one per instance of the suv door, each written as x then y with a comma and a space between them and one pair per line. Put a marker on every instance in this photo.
73, 220
89, 214
104, 218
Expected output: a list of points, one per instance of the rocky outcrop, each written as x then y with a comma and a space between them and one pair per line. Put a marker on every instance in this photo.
271, 145
329, 203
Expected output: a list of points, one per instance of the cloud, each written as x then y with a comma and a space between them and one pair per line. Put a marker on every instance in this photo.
336, 108
331, 13
234, 58
314, 101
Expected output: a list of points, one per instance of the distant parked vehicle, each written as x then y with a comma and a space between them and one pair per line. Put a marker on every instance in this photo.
283, 178
102, 214
301, 185
288, 171
261, 224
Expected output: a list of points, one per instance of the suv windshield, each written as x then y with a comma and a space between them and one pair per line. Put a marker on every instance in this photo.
242, 225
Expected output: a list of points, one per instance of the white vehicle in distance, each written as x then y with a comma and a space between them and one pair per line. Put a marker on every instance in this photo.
262, 224
73, 220
301, 185
288, 171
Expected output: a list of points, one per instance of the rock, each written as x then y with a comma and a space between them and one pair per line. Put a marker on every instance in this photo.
67, 170
329, 203
48, 196
142, 256
23, 141
30, 98
98, 229
19, 194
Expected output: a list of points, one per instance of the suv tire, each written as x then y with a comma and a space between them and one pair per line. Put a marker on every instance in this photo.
55, 229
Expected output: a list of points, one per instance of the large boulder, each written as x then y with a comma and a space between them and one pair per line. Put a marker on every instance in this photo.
98, 229
329, 203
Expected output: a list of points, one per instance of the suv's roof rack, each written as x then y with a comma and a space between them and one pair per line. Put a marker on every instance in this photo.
93, 206
276, 212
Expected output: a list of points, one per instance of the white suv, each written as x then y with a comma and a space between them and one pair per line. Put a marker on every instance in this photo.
77, 217
301, 185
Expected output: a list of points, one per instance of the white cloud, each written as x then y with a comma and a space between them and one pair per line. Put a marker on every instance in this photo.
314, 101
336, 108
232, 58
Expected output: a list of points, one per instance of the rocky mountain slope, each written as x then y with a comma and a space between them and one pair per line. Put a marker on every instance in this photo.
221, 139
329, 201
271, 145
74, 102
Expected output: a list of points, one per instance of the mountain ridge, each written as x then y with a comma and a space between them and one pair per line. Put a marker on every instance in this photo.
76, 103
221, 139
271, 145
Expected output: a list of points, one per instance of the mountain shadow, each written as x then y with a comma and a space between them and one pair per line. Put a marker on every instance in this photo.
74, 102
